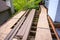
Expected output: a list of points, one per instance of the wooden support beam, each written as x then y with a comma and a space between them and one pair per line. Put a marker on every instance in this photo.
53, 27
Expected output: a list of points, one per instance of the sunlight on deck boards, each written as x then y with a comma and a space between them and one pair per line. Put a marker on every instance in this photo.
43, 30
6, 28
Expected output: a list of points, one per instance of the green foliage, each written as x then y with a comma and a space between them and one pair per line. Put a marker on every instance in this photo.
25, 4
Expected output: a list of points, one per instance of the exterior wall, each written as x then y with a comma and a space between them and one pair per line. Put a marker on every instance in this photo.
52, 8
4, 16
57, 18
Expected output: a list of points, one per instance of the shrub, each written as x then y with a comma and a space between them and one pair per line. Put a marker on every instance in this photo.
26, 4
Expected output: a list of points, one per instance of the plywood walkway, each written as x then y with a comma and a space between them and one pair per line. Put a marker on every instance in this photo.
43, 30
6, 28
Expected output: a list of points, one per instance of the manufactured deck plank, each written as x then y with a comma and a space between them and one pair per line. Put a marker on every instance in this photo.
43, 30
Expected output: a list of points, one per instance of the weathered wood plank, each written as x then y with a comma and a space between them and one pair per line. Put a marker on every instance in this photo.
43, 30
43, 34
30, 18
43, 18
23, 28
17, 27
6, 28
53, 27
19, 15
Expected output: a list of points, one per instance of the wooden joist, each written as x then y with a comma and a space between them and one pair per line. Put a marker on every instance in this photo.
43, 30
53, 27
6, 28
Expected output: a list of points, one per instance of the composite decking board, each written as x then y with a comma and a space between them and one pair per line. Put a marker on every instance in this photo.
29, 24
43, 30
6, 28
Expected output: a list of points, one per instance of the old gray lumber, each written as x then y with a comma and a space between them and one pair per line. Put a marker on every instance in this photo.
43, 30
31, 16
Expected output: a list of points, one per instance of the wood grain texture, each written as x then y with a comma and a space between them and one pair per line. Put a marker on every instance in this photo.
43, 30
6, 27
31, 16
53, 27
42, 21
43, 34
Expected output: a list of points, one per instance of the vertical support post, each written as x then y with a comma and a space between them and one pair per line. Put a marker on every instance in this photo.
9, 3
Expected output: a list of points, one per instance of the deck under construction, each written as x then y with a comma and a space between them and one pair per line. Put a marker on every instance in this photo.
29, 25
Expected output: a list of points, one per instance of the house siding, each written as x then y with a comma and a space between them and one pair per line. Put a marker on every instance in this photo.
57, 18
52, 8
